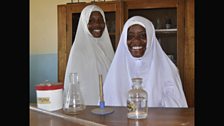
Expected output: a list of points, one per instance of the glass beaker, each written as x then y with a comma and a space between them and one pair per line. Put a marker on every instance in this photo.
73, 100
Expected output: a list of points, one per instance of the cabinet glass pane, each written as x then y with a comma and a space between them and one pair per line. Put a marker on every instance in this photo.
111, 24
75, 21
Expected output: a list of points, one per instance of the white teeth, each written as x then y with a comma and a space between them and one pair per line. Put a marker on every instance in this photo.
96, 30
137, 47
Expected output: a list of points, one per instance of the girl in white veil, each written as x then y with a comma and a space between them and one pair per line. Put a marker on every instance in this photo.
89, 56
160, 75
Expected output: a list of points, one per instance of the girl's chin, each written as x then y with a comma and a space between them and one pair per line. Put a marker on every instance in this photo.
97, 35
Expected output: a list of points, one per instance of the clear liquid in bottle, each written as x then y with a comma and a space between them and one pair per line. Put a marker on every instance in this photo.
137, 100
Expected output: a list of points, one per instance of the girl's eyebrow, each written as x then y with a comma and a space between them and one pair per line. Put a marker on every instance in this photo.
141, 32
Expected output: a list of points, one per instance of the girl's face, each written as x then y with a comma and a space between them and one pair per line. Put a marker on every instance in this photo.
96, 24
136, 40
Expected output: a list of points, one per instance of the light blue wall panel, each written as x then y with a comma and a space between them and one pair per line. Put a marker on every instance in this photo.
42, 67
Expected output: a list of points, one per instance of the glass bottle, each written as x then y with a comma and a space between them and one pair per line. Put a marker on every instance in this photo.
73, 100
137, 100
158, 24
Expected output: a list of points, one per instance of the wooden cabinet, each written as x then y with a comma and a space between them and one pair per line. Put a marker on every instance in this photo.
68, 17
173, 20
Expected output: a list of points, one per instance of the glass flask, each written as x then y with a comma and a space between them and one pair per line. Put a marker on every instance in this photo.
137, 100
73, 100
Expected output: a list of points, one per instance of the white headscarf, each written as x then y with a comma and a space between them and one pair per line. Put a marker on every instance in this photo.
89, 57
160, 76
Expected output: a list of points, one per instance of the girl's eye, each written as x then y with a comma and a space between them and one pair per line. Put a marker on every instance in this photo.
143, 36
129, 37
101, 20
90, 21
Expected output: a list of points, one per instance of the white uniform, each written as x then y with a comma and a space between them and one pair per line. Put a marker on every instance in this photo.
89, 57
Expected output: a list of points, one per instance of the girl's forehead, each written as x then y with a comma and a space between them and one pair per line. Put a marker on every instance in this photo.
136, 27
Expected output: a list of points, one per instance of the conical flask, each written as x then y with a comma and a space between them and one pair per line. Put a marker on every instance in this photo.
73, 100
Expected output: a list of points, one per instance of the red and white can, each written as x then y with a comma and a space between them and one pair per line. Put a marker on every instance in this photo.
49, 96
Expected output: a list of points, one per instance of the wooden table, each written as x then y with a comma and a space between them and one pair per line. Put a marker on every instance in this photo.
156, 117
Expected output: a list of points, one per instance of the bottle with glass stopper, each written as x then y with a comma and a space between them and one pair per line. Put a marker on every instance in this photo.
137, 100
73, 100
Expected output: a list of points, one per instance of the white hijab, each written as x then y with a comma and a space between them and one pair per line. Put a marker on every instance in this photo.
160, 76
89, 57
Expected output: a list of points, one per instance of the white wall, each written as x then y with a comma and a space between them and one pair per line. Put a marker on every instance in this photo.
43, 25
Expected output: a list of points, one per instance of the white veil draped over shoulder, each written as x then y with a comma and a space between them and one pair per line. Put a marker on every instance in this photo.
160, 75
89, 57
